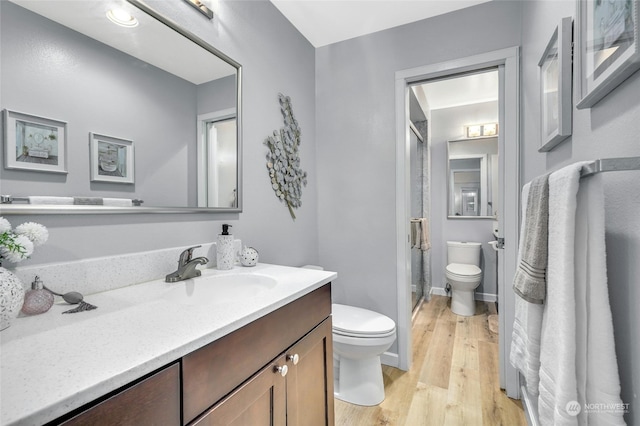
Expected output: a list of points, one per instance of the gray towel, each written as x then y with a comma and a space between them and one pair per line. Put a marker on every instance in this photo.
91, 201
530, 279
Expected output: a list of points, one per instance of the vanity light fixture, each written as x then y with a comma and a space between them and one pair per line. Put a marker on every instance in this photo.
481, 130
122, 17
199, 5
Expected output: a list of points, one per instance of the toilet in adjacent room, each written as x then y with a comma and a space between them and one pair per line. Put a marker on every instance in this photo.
360, 336
463, 275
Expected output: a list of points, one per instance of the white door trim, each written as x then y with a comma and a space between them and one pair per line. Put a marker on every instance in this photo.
510, 131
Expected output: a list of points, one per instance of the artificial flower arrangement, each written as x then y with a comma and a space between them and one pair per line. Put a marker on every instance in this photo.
18, 244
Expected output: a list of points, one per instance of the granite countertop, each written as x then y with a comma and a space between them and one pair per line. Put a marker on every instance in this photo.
52, 363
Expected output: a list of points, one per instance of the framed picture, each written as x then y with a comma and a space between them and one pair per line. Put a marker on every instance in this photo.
112, 159
34, 143
555, 87
607, 47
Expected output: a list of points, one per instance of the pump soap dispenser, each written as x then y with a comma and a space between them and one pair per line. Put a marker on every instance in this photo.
224, 249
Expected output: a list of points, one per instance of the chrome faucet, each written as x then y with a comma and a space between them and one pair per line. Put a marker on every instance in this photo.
187, 266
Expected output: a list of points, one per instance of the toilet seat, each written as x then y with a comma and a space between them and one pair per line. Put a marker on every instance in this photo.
350, 321
463, 271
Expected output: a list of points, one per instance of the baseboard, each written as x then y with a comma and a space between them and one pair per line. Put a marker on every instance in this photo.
391, 359
483, 297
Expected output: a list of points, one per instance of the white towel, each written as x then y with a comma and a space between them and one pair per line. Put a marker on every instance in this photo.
117, 202
596, 365
420, 233
558, 381
527, 326
36, 199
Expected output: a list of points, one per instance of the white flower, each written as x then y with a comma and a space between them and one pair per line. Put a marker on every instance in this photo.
20, 249
35, 232
4, 225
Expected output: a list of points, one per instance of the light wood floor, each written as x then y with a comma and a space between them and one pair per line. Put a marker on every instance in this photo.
454, 379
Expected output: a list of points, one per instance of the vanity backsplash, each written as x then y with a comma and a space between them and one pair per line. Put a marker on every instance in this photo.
100, 274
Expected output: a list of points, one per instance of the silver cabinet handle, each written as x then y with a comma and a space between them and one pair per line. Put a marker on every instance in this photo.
293, 358
283, 370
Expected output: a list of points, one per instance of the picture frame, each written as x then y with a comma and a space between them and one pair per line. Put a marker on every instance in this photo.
555, 71
112, 159
607, 47
34, 143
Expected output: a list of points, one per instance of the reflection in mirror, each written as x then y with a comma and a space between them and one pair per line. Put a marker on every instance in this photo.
473, 177
173, 96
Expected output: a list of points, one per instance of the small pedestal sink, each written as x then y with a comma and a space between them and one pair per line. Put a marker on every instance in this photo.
215, 289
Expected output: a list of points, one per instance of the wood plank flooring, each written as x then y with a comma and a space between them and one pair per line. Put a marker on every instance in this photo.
454, 379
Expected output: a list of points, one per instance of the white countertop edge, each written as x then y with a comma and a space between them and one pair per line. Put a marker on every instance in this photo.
81, 397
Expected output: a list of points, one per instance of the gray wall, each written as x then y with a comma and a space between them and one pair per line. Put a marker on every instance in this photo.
447, 124
609, 129
355, 82
275, 58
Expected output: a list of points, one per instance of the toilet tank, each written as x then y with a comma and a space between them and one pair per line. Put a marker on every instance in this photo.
463, 252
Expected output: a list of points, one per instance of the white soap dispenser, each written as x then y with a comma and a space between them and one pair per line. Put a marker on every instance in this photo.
224, 249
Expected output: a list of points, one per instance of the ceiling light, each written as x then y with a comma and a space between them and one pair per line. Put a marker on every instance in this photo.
122, 17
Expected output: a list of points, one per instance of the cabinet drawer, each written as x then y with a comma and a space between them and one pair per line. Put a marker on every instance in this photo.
153, 401
215, 370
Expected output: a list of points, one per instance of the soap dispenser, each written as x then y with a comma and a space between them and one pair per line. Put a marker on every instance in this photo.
224, 249
38, 300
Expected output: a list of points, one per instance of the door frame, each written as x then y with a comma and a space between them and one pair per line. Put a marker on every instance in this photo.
508, 60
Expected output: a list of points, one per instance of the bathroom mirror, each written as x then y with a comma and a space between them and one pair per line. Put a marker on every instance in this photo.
148, 88
472, 178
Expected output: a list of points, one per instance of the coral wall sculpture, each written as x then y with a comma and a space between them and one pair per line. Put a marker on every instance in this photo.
283, 161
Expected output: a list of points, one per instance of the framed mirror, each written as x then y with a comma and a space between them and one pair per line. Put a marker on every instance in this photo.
145, 86
472, 178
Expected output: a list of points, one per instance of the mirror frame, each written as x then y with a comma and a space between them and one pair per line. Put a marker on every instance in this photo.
28, 209
450, 183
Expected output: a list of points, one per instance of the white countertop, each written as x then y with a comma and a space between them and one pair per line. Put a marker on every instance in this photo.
53, 363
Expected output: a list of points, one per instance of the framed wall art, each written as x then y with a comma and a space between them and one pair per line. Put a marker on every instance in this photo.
555, 87
34, 143
606, 47
112, 159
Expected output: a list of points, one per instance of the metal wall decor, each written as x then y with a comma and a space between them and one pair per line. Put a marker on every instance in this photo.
283, 162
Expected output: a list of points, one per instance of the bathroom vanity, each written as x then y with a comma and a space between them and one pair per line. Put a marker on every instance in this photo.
166, 359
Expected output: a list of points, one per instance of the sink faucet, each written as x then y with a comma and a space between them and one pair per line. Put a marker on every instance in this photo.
187, 266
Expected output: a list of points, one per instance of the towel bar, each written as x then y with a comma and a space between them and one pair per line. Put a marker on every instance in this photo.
9, 199
610, 165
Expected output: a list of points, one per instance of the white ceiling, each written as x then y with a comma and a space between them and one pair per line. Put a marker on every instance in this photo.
463, 90
324, 22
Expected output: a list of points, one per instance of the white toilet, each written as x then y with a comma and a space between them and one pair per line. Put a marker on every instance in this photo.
360, 336
463, 275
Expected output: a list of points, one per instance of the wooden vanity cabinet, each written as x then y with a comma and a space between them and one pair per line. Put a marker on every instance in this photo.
212, 376
152, 401
301, 395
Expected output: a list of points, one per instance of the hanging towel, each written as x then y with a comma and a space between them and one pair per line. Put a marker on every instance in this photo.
529, 281
425, 244
527, 326
558, 381
117, 202
50, 200
91, 201
415, 232
596, 364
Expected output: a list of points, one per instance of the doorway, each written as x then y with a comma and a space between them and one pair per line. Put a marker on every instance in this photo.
507, 62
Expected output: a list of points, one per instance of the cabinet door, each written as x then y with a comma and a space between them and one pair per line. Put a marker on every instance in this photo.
261, 401
310, 379
153, 401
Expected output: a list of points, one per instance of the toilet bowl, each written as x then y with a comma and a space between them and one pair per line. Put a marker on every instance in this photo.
463, 275
360, 336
